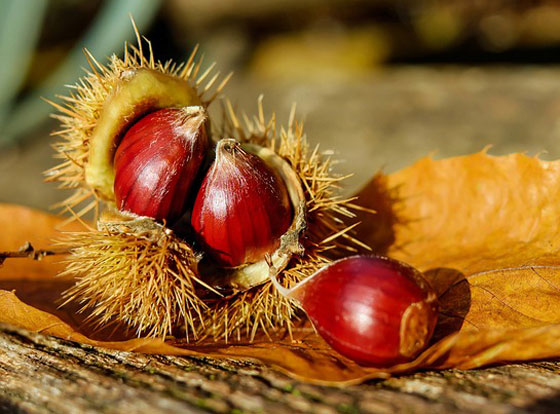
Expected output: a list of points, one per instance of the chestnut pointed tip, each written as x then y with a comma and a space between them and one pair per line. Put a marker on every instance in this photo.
192, 117
228, 145
228, 149
273, 276
193, 110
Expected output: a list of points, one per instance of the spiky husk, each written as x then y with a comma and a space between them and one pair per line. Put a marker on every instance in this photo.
242, 316
145, 278
328, 235
80, 110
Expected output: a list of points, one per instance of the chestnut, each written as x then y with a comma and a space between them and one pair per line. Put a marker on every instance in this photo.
374, 310
242, 208
158, 160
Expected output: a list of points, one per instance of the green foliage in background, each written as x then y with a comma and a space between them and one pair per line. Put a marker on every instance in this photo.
20, 26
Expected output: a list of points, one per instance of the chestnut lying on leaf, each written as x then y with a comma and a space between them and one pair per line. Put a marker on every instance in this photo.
373, 310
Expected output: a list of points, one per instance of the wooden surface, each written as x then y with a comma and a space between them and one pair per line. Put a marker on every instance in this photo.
40, 374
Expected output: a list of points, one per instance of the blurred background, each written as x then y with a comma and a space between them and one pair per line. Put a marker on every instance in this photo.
381, 82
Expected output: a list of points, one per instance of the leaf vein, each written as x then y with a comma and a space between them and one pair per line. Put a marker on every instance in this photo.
506, 304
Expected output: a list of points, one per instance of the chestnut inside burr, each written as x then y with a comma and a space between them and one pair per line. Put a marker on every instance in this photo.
157, 161
283, 212
242, 207
140, 91
249, 204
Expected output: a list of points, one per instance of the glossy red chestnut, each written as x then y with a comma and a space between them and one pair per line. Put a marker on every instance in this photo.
242, 207
157, 161
373, 310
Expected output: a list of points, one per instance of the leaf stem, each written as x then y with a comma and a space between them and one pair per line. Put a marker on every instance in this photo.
29, 252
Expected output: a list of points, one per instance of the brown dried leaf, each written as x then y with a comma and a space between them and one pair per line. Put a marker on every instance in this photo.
472, 213
20, 225
483, 229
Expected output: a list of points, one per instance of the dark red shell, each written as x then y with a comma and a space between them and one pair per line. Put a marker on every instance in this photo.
373, 310
157, 161
241, 209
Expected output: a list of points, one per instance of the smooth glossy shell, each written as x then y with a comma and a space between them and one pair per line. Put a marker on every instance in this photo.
158, 160
373, 310
242, 207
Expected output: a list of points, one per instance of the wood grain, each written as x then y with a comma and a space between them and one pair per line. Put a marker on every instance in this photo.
40, 374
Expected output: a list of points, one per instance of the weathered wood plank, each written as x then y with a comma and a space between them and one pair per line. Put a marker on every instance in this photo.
40, 374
